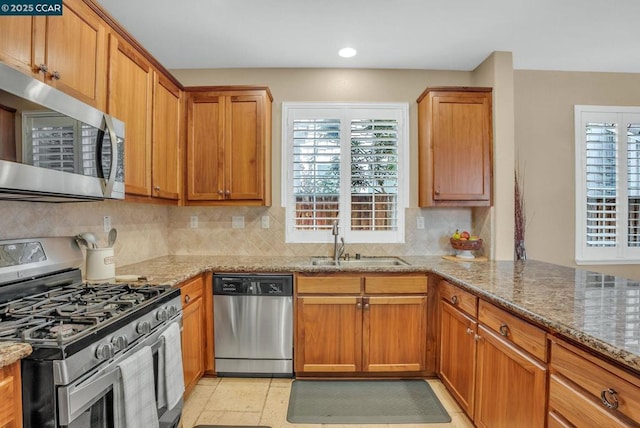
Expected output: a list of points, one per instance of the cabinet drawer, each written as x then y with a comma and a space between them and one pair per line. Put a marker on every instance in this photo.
191, 290
596, 380
459, 298
569, 407
395, 284
329, 285
530, 338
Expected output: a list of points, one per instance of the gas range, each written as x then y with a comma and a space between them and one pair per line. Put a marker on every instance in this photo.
78, 331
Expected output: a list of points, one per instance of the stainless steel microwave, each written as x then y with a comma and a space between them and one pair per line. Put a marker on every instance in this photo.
55, 148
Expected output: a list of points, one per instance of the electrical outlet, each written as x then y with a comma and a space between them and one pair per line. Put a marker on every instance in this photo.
419, 222
237, 222
193, 223
265, 222
106, 223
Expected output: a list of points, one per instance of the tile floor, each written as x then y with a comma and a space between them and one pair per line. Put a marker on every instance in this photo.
242, 401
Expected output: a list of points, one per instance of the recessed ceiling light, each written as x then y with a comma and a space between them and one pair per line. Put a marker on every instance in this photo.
347, 52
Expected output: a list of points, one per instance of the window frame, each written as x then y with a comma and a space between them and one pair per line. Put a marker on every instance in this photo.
345, 111
620, 253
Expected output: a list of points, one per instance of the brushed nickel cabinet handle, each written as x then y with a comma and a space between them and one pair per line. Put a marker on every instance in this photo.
504, 330
227, 192
55, 75
469, 331
220, 192
42, 68
358, 305
156, 188
477, 337
611, 403
454, 300
187, 298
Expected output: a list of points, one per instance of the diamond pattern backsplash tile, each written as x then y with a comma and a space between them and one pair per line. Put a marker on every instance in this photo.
146, 231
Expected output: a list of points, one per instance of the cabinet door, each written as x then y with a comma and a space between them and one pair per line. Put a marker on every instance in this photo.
17, 41
461, 147
166, 139
130, 100
457, 360
244, 149
192, 343
205, 147
510, 385
394, 333
76, 53
10, 391
328, 334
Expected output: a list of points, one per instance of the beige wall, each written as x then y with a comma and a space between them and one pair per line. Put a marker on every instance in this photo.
544, 129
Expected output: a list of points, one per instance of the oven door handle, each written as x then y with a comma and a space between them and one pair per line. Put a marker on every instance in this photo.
74, 398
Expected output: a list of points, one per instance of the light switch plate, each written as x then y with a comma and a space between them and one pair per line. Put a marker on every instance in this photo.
106, 223
193, 222
419, 222
237, 222
265, 222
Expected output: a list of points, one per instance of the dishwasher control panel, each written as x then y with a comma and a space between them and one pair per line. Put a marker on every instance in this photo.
253, 284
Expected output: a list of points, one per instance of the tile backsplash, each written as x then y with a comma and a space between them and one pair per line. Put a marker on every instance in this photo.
146, 231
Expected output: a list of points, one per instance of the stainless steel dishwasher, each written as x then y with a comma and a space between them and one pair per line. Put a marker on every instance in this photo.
253, 324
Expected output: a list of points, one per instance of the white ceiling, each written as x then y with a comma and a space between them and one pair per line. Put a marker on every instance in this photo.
579, 35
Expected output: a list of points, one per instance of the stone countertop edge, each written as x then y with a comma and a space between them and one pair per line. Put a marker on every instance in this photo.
10, 352
173, 270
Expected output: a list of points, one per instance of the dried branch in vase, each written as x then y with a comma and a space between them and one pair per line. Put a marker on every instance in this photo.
520, 218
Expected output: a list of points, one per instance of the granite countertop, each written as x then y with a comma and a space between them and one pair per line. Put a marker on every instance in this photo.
597, 310
10, 352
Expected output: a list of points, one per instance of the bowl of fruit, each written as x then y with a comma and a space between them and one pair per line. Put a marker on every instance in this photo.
464, 243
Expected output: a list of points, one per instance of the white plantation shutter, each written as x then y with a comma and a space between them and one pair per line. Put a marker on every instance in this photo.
607, 184
343, 162
374, 174
316, 173
633, 180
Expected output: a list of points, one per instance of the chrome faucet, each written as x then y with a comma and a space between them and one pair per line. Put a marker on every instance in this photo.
337, 251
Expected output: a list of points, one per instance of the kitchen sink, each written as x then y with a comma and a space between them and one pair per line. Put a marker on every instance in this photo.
363, 262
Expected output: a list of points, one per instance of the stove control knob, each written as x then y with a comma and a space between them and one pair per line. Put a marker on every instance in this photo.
144, 327
162, 315
173, 310
120, 342
104, 351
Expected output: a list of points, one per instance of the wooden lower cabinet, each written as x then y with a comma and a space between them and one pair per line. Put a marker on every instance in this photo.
329, 334
510, 385
193, 331
359, 332
496, 382
457, 364
11, 396
585, 391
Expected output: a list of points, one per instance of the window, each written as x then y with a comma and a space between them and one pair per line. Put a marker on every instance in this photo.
607, 184
346, 163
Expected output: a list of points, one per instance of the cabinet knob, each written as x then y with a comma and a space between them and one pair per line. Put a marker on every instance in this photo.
42, 68
220, 192
477, 337
437, 192
504, 330
609, 398
55, 75
454, 300
227, 192
358, 305
156, 188
469, 331
187, 298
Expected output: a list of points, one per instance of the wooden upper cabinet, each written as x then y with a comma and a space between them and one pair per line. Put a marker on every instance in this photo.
455, 146
17, 41
66, 51
167, 125
130, 100
229, 146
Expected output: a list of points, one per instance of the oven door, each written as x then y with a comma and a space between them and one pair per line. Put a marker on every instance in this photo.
95, 400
